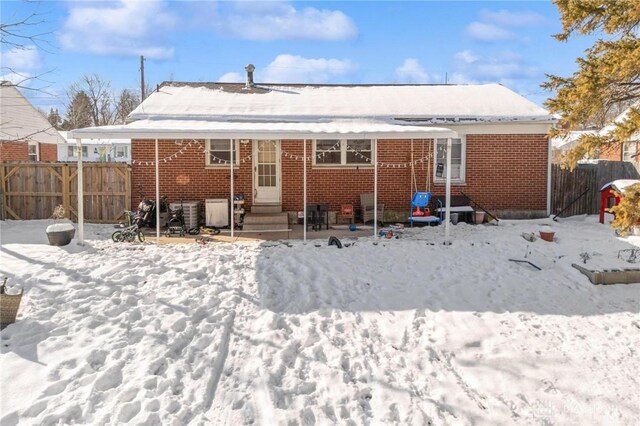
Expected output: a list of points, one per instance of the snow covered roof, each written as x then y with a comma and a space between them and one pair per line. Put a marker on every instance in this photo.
424, 103
620, 118
204, 128
570, 139
95, 141
21, 121
621, 184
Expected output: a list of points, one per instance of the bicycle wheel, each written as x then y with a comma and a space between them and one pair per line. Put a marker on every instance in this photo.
117, 237
141, 236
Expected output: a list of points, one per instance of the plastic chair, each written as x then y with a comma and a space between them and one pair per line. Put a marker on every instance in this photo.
346, 213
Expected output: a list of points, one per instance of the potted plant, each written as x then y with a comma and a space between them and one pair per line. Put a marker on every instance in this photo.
61, 233
546, 233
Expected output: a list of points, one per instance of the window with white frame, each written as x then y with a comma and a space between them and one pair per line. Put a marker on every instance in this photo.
629, 150
32, 151
457, 160
73, 150
121, 151
219, 152
343, 152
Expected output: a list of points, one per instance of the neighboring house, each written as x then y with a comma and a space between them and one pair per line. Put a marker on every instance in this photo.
353, 134
96, 150
25, 133
626, 151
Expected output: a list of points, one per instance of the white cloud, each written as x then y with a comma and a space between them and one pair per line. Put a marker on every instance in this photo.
231, 77
411, 72
466, 57
26, 58
281, 21
512, 19
487, 32
504, 66
22, 79
130, 27
296, 69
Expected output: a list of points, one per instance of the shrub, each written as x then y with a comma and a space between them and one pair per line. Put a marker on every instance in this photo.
628, 211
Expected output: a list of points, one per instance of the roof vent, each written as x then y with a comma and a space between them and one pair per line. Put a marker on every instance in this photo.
250, 69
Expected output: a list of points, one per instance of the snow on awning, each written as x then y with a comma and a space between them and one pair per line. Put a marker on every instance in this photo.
210, 129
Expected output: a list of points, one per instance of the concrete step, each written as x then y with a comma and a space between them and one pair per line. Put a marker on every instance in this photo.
264, 227
266, 218
266, 208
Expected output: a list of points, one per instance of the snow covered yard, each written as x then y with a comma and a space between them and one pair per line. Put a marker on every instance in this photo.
402, 331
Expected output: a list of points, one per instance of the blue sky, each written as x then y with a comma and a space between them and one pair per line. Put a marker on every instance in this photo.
295, 42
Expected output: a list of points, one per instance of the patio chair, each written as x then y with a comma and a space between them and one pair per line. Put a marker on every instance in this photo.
368, 209
346, 213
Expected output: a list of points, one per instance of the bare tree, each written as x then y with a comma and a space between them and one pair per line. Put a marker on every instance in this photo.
126, 102
22, 33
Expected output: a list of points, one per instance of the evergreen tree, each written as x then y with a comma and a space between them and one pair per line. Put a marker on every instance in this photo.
54, 118
608, 76
78, 112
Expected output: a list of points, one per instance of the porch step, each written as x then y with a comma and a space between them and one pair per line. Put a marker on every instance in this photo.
266, 208
265, 221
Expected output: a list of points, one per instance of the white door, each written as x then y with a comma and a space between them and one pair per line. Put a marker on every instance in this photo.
266, 172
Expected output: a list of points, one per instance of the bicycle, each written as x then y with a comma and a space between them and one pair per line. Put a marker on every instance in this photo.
131, 231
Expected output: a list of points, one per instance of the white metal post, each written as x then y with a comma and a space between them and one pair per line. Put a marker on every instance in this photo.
447, 217
157, 193
80, 194
231, 170
304, 189
375, 188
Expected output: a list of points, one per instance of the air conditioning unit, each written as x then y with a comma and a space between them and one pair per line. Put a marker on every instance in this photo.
217, 212
190, 209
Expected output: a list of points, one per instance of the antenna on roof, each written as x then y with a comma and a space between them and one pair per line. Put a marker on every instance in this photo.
446, 78
250, 69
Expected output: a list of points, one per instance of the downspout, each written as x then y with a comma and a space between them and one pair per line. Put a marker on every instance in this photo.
80, 194
157, 194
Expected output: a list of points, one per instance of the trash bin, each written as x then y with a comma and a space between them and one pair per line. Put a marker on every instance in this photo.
454, 218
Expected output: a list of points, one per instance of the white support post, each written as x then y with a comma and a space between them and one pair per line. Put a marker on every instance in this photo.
80, 194
157, 193
232, 208
375, 188
304, 189
447, 217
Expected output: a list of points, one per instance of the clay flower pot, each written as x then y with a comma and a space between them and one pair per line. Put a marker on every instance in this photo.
547, 234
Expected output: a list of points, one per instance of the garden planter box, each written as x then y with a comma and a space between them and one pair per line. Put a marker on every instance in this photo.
60, 234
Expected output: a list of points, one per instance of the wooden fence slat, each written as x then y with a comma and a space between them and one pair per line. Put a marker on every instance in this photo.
33, 190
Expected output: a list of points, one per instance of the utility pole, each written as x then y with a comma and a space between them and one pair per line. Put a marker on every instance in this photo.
142, 94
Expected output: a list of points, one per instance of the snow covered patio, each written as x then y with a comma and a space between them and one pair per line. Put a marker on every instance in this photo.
406, 331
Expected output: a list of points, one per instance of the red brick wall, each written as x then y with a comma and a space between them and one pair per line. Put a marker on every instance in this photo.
613, 153
48, 152
503, 172
14, 151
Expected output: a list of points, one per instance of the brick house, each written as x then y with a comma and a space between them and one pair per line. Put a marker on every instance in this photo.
353, 139
25, 134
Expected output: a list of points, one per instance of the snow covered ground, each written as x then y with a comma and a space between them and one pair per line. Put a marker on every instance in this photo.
401, 331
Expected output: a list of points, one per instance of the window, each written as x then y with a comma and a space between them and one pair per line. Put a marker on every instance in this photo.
343, 152
219, 152
32, 150
457, 160
72, 150
629, 150
121, 151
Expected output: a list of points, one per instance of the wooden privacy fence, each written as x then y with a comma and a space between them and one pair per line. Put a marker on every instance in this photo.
34, 190
568, 185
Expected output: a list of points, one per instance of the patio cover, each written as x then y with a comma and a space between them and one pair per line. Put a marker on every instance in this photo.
238, 129
214, 128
